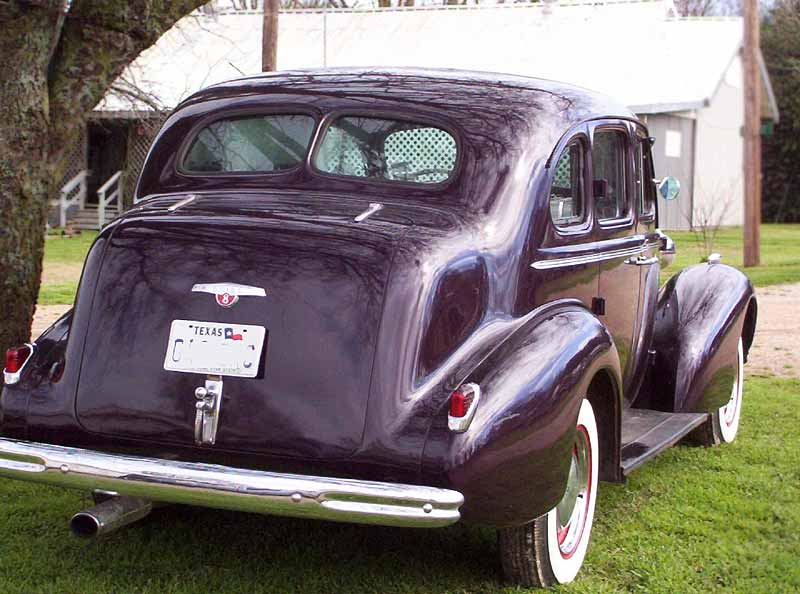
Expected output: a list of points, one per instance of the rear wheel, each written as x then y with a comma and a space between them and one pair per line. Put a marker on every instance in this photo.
550, 550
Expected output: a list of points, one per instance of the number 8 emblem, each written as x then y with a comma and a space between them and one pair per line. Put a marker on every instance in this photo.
226, 299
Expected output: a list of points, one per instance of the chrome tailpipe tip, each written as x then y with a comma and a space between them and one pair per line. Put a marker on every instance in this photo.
84, 525
108, 516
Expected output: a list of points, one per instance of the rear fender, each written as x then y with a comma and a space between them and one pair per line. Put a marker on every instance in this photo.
45, 366
513, 461
702, 312
48, 395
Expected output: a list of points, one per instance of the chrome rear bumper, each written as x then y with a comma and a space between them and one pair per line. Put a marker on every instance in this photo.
207, 485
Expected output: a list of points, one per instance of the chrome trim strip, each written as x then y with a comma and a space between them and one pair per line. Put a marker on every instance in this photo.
373, 208
325, 498
229, 288
592, 258
11, 378
642, 260
180, 203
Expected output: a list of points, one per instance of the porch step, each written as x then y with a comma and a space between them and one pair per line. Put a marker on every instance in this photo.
647, 433
86, 219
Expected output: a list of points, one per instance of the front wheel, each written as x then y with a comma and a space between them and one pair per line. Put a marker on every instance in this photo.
550, 550
723, 425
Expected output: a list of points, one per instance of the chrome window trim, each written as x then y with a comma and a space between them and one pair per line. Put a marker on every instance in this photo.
592, 258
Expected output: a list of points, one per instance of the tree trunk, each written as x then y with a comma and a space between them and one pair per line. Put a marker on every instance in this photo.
54, 67
24, 180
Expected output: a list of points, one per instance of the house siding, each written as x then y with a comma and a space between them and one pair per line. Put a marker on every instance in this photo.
673, 154
719, 188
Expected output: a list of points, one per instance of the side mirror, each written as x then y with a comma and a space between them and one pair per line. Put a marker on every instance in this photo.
668, 188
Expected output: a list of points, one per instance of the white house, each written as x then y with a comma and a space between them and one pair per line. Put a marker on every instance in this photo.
682, 76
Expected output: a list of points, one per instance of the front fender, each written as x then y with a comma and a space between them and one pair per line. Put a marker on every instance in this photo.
701, 314
513, 461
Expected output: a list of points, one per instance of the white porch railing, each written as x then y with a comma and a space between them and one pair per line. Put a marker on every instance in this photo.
109, 192
73, 192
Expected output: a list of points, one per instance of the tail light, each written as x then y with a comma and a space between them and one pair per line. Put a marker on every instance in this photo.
463, 404
16, 358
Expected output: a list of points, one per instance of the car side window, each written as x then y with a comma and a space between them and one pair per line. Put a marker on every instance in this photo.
567, 196
608, 175
645, 188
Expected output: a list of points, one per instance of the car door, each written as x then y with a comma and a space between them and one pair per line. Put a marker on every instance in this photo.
621, 247
563, 264
646, 224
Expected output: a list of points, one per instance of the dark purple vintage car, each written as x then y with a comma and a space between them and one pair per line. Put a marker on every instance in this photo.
398, 297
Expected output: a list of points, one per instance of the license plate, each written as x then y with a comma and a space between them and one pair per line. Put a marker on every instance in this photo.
213, 348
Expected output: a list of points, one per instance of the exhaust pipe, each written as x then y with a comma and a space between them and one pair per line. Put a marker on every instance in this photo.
108, 516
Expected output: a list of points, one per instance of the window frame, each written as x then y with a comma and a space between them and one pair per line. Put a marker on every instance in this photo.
642, 137
424, 119
242, 113
620, 127
586, 224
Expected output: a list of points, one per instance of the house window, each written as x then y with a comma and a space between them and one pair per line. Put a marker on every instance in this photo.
608, 175
672, 144
567, 204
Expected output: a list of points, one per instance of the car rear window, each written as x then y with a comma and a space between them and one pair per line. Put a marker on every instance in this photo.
262, 143
387, 150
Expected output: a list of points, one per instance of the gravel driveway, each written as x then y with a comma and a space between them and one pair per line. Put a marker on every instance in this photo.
775, 351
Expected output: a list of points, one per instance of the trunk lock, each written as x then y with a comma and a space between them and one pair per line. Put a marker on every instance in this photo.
209, 402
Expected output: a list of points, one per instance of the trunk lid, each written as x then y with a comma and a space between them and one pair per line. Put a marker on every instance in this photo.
324, 277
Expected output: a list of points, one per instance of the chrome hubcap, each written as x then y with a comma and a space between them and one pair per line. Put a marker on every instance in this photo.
573, 508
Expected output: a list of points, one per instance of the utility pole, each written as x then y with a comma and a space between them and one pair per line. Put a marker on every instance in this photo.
752, 135
269, 36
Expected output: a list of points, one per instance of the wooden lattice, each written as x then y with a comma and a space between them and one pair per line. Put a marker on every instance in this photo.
77, 161
141, 133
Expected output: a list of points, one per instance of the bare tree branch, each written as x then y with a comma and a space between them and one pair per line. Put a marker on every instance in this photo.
98, 41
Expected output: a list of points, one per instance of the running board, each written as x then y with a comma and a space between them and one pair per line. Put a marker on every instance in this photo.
647, 433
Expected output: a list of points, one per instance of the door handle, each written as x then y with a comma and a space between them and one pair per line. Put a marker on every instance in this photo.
642, 260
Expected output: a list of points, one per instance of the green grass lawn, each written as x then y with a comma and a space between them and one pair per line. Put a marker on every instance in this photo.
68, 250
780, 253
780, 257
694, 520
63, 259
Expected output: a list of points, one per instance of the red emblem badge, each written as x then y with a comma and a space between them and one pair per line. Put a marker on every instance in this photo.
226, 299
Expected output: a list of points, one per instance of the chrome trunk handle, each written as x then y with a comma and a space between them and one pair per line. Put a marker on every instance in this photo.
209, 403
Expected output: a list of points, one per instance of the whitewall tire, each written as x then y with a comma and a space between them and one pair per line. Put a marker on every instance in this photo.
726, 419
551, 549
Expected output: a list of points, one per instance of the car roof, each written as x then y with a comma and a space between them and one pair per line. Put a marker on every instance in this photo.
455, 92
